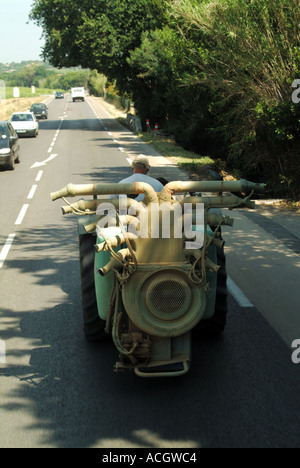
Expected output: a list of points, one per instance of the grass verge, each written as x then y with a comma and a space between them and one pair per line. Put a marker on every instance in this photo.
198, 167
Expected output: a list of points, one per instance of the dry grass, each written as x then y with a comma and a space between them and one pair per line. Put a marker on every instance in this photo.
8, 106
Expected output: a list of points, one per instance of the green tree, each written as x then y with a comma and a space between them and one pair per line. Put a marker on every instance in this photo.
218, 74
96, 83
174, 92
72, 79
96, 34
249, 55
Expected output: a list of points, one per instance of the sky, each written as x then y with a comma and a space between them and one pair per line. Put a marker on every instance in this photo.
18, 40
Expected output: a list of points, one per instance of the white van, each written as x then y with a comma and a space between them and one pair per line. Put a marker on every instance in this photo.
77, 94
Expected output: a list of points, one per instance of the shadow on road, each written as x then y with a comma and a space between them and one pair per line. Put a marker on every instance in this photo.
242, 390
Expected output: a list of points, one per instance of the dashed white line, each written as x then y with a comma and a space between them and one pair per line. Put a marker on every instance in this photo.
22, 214
9, 241
32, 192
39, 176
2, 351
129, 161
6, 248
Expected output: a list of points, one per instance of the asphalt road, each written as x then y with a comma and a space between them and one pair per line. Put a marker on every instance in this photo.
57, 390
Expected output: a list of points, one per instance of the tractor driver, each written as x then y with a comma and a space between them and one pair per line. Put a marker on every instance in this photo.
140, 167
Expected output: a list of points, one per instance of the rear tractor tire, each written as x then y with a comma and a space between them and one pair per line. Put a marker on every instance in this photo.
93, 325
216, 324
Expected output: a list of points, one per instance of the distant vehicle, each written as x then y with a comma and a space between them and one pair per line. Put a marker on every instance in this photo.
40, 110
25, 123
59, 95
9, 146
77, 94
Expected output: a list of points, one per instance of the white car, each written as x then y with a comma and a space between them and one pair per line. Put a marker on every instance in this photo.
25, 123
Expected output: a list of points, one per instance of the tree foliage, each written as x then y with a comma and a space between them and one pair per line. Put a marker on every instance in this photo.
96, 34
217, 74
249, 55
42, 76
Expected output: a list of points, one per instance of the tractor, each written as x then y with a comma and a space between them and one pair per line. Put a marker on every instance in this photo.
153, 271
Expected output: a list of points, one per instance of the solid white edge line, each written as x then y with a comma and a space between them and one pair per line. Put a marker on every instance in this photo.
22, 214
6, 248
238, 295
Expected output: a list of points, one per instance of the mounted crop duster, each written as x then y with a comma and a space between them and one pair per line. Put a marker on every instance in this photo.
153, 272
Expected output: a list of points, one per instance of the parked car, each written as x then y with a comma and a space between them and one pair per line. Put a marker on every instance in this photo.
59, 95
40, 110
25, 123
9, 146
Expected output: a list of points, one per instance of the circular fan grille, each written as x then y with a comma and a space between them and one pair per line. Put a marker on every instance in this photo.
168, 298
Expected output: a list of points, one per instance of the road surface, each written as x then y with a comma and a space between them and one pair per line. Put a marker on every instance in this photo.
58, 390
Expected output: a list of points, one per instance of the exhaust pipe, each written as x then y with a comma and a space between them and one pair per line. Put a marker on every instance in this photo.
113, 242
92, 205
242, 186
72, 190
115, 264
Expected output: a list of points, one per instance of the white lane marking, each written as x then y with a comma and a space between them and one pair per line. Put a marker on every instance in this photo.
109, 133
22, 214
121, 149
2, 351
39, 176
43, 163
239, 296
129, 161
6, 248
32, 192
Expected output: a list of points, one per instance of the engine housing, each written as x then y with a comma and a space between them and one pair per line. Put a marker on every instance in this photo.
162, 301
